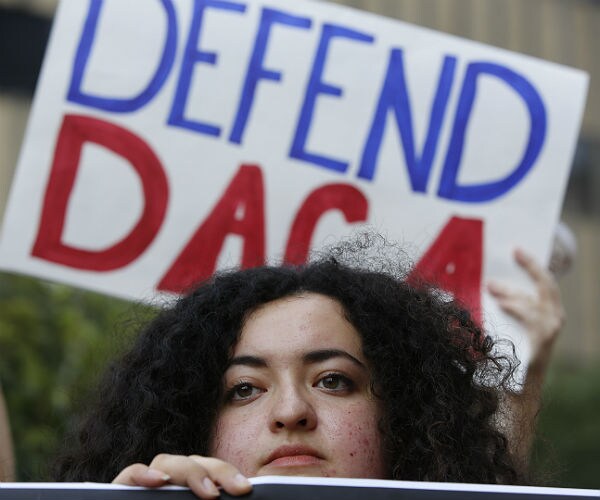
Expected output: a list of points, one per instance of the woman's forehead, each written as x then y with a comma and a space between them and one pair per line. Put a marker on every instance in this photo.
298, 323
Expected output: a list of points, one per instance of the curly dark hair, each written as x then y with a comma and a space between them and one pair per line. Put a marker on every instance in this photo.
433, 369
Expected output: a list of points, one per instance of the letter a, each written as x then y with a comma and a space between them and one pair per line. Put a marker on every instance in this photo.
198, 260
453, 263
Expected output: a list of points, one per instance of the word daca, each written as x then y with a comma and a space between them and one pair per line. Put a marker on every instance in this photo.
393, 98
453, 261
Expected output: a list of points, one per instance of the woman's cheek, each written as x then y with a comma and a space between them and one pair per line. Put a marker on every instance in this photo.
357, 443
235, 438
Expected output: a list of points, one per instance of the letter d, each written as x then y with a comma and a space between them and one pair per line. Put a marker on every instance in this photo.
74, 133
477, 193
114, 104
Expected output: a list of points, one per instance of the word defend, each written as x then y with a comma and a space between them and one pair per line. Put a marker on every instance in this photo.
393, 97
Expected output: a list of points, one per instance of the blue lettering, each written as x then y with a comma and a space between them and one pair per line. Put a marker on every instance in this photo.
119, 105
395, 95
315, 87
191, 57
476, 193
256, 70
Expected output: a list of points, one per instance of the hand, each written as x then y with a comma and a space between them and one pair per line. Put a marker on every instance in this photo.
200, 474
541, 313
542, 316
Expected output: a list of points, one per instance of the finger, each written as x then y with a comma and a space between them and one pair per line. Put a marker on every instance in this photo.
499, 289
503, 292
202, 474
186, 472
225, 475
541, 276
529, 264
142, 475
519, 306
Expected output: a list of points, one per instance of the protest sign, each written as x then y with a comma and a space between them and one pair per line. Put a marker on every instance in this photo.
299, 488
169, 138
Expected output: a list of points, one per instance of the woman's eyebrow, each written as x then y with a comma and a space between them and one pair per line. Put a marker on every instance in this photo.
308, 358
253, 361
325, 354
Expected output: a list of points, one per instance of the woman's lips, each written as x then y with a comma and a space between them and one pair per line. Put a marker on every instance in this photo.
293, 456
295, 461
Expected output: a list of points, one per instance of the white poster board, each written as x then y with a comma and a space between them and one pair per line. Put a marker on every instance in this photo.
298, 488
169, 138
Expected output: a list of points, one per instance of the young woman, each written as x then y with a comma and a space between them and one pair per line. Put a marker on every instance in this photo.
322, 370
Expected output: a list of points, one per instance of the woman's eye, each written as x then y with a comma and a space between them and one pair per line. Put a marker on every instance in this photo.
243, 391
335, 382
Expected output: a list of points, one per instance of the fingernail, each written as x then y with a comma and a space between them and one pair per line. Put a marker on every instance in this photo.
521, 254
242, 481
210, 487
156, 474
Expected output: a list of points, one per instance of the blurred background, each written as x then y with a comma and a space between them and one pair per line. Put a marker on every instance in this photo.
54, 339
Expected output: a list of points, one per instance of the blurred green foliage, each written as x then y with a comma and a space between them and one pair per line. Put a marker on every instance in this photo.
566, 452
54, 341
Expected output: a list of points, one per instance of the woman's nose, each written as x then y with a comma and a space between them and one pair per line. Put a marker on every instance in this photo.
292, 410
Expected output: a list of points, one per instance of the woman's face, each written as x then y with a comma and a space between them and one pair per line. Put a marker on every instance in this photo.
298, 399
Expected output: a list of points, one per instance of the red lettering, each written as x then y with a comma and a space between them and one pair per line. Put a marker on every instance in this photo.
349, 200
74, 133
198, 260
454, 262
